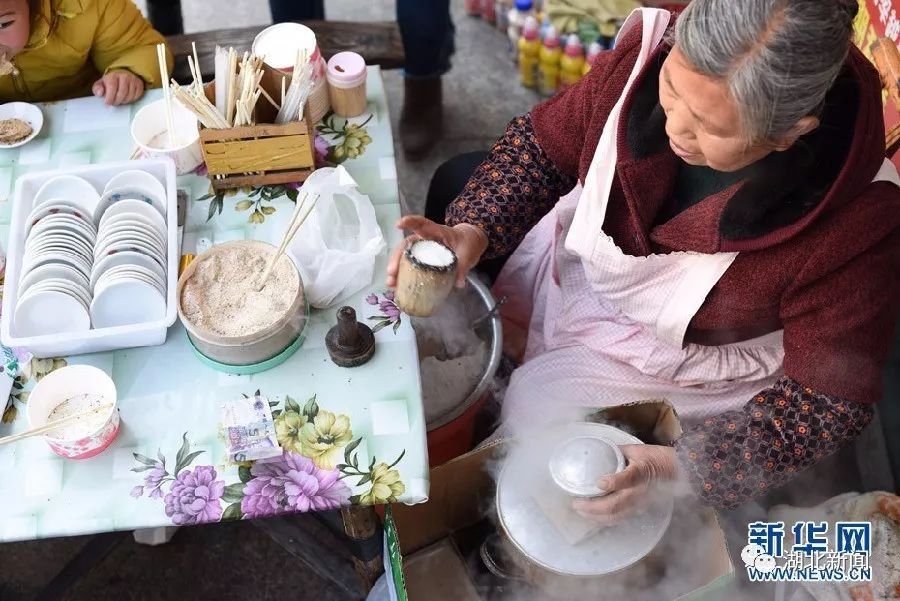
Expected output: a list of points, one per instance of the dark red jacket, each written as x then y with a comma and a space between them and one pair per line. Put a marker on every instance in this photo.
829, 278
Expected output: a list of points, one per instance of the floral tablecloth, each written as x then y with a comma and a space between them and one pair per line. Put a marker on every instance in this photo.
350, 435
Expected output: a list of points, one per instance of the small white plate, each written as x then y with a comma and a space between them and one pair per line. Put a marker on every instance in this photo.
50, 312
132, 246
127, 302
131, 193
127, 224
129, 239
133, 223
66, 286
135, 178
55, 207
29, 113
126, 258
71, 187
60, 244
134, 209
53, 271
64, 238
130, 272
69, 259
65, 223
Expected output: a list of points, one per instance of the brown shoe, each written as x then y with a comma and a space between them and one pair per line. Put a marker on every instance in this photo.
421, 120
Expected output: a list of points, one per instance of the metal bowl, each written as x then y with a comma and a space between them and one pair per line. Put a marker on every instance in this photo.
491, 331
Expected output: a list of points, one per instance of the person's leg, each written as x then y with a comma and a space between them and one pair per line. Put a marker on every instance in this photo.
165, 16
446, 184
427, 31
297, 10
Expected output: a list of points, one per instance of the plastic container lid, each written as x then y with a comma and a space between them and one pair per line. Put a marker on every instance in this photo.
278, 44
346, 70
594, 49
530, 31
573, 45
551, 38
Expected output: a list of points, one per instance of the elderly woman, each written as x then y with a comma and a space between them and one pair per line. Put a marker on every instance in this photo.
730, 243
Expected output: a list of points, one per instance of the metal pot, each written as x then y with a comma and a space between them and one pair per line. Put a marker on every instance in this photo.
530, 547
450, 433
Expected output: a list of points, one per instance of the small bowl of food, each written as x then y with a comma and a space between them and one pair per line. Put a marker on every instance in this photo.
85, 398
20, 122
151, 135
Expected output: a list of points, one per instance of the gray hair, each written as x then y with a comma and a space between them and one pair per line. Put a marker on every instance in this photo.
779, 57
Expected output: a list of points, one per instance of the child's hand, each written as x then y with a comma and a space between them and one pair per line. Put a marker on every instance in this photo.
119, 87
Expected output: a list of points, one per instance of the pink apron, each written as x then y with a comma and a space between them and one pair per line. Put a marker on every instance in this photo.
605, 328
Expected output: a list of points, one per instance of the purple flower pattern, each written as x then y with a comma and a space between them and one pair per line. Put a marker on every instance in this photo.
390, 312
195, 497
321, 146
292, 483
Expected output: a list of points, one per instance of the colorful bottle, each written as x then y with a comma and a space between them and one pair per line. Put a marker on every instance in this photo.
517, 15
593, 52
548, 67
571, 65
529, 52
546, 24
487, 11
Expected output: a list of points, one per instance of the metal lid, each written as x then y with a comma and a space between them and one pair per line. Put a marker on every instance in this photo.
578, 464
525, 478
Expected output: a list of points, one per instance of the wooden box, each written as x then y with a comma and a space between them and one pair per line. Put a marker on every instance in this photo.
258, 155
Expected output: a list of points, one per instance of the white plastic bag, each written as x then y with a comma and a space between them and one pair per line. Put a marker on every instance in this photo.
335, 249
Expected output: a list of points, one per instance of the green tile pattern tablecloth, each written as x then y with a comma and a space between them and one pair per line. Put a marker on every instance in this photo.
352, 436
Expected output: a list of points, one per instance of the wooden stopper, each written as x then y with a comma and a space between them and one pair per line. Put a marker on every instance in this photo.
422, 282
350, 343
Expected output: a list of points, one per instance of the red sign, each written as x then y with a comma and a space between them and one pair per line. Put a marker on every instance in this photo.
880, 18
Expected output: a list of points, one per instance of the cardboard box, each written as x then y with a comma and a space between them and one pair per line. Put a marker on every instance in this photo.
462, 495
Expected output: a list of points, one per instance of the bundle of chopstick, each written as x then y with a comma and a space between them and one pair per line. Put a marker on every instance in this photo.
297, 219
294, 100
238, 89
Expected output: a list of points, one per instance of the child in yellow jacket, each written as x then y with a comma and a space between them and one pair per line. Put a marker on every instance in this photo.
61, 49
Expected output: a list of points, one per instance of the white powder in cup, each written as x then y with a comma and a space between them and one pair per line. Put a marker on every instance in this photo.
433, 253
221, 295
83, 426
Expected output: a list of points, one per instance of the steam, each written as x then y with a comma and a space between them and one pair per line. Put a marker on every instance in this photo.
452, 354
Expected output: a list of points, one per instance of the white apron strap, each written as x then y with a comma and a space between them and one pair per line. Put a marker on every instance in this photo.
591, 212
887, 173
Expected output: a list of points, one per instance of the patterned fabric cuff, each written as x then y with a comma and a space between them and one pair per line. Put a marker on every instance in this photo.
741, 455
511, 190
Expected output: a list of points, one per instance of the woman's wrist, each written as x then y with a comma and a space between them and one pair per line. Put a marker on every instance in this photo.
474, 238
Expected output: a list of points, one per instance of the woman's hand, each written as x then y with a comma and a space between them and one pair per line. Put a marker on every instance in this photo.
467, 241
627, 491
119, 87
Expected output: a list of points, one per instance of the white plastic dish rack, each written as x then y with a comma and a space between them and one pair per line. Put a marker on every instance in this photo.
101, 339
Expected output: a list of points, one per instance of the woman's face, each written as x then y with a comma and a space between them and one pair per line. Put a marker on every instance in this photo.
15, 26
702, 119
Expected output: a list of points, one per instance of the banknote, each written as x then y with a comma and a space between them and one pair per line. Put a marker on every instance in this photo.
249, 429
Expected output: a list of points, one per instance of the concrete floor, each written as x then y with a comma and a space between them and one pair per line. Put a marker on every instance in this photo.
236, 561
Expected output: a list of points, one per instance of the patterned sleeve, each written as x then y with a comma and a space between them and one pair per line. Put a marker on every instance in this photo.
741, 455
511, 190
